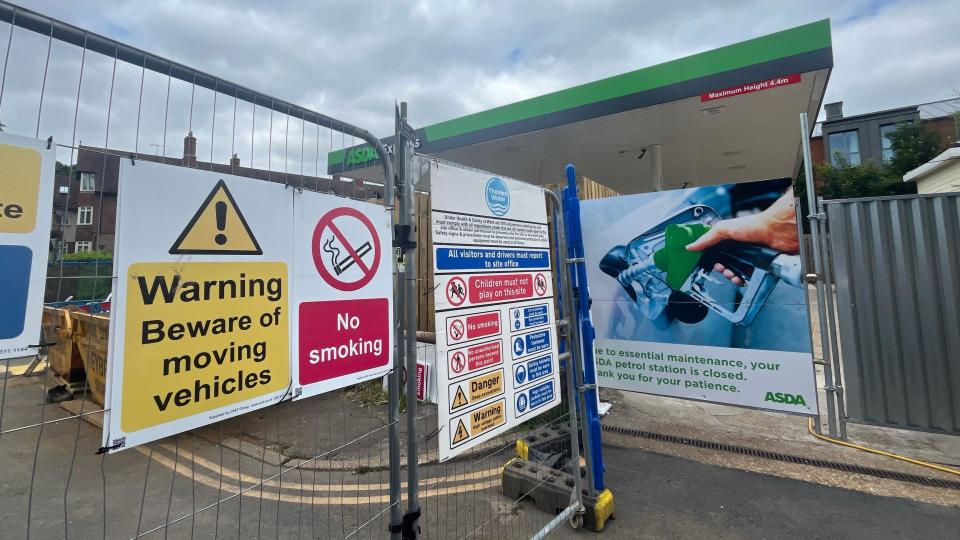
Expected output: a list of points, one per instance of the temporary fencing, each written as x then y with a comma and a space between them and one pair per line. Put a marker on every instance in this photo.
326, 466
316, 468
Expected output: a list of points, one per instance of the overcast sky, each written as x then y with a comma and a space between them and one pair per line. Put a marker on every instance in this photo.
448, 58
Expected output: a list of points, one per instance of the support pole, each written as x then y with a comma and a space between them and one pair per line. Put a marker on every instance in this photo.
588, 391
814, 218
393, 378
407, 237
572, 331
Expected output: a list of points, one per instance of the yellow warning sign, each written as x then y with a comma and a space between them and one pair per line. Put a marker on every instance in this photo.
459, 400
487, 418
481, 420
200, 337
218, 228
461, 433
478, 388
19, 188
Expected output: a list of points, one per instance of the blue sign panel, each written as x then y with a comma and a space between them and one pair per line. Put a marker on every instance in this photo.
14, 286
522, 318
531, 370
537, 341
473, 258
535, 397
531, 343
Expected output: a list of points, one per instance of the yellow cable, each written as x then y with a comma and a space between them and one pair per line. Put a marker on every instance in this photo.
879, 452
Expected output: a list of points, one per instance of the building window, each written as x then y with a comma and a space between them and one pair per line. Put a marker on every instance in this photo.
81, 246
85, 215
62, 249
87, 181
886, 147
64, 190
844, 148
64, 219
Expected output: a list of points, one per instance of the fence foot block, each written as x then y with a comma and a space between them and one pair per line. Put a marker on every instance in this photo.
549, 490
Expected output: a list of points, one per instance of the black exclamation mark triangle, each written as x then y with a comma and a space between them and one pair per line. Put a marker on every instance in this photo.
221, 209
217, 228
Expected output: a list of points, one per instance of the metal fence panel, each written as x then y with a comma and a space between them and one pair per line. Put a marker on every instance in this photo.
898, 290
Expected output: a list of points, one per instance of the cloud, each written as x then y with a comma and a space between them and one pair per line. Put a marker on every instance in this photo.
352, 60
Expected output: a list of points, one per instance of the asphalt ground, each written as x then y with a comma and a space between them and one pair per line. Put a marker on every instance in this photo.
660, 496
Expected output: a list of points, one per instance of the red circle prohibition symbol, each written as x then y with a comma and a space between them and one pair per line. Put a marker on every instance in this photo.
456, 291
326, 221
458, 362
540, 284
456, 329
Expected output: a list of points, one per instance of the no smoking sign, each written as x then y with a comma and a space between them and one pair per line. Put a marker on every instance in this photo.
346, 249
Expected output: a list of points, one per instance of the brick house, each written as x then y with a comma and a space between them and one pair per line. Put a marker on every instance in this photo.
859, 139
85, 202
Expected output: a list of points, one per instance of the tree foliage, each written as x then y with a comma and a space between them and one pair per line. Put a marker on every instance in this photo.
912, 146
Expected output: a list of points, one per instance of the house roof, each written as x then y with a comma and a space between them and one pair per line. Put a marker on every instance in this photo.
950, 157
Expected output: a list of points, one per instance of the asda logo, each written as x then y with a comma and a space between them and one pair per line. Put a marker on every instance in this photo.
787, 399
356, 156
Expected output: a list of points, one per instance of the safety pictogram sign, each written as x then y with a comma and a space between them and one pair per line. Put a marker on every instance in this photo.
346, 249
540, 284
217, 228
458, 362
195, 340
456, 330
343, 293
474, 358
456, 291
461, 434
476, 389
474, 423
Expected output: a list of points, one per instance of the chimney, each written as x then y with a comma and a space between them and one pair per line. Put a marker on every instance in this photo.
234, 163
834, 110
190, 150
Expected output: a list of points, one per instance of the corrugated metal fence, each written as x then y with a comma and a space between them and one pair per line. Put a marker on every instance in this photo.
897, 268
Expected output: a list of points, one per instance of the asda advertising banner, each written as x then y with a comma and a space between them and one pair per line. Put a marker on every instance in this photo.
697, 293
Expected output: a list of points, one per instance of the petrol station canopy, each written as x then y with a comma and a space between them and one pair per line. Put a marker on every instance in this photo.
720, 116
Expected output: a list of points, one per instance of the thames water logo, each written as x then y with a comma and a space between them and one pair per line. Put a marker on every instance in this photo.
498, 196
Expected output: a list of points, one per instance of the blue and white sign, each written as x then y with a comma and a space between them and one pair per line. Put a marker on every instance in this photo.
498, 196
521, 404
460, 258
522, 318
15, 277
531, 343
533, 370
485, 228
26, 204
535, 397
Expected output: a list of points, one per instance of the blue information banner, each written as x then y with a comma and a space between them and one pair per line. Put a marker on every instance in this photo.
14, 286
473, 258
534, 397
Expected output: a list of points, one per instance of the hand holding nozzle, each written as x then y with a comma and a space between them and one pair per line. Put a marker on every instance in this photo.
775, 227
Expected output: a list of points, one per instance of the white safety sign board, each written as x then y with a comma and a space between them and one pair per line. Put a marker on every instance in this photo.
26, 201
496, 332
219, 295
343, 293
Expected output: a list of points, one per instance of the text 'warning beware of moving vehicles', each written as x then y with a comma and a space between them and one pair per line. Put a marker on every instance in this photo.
244, 294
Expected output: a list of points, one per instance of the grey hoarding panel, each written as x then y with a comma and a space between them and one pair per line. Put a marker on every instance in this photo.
896, 265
